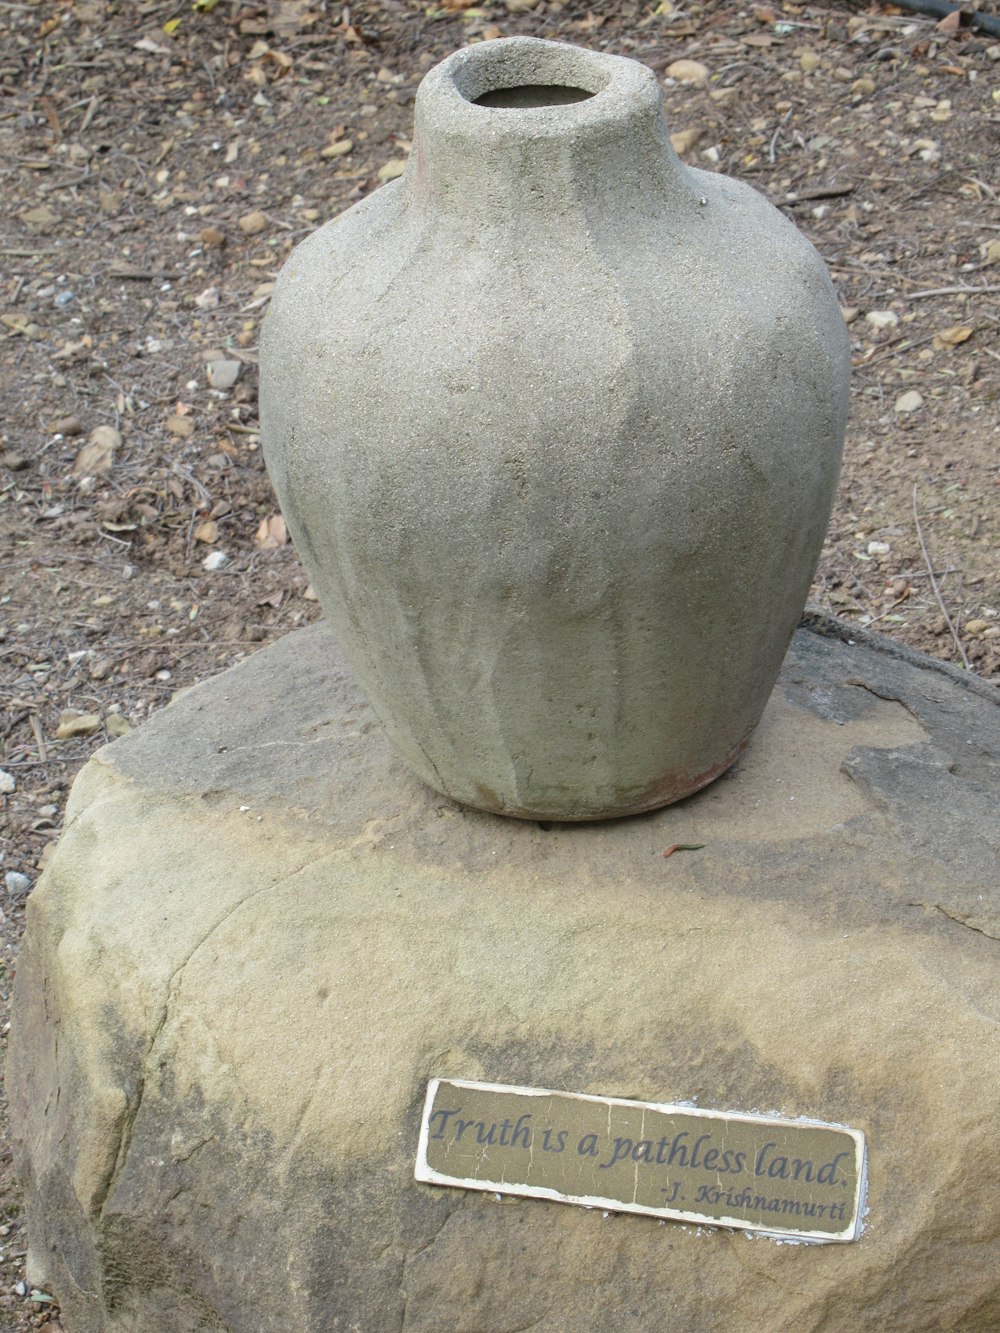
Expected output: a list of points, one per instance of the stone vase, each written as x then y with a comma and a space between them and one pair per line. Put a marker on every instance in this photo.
555, 422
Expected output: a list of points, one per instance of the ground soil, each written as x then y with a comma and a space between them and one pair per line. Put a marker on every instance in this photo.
160, 160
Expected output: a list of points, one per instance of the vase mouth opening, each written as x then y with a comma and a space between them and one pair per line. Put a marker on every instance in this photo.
522, 96
515, 74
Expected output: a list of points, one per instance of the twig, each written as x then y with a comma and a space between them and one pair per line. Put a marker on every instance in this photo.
88, 115
895, 348
934, 585
820, 192
140, 275
868, 270
922, 573
66, 185
36, 727
36, 763
13, 721
952, 291
773, 145
889, 609
55, 562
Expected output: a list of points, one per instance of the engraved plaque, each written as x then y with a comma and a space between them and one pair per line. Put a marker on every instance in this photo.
796, 1178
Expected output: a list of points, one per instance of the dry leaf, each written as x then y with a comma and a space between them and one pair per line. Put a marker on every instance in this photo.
271, 533
74, 351
684, 140
688, 71
288, 17
66, 426
42, 218
928, 150
282, 63
207, 532
951, 337
151, 45
950, 22
81, 724
98, 453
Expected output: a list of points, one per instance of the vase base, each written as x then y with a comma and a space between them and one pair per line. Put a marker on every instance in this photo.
666, 791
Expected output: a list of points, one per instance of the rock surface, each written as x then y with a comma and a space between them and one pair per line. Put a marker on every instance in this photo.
260, 937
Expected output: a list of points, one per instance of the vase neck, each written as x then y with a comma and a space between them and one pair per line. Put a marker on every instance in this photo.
531, 125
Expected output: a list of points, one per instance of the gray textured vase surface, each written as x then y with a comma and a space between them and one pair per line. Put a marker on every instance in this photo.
555, 422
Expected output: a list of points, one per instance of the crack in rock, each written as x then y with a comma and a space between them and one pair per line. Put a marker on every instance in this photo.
133, 1106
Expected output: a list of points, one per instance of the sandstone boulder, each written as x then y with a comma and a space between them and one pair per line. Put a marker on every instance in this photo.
260, 937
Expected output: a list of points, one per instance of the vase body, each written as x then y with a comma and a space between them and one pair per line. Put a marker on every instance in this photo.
555, 422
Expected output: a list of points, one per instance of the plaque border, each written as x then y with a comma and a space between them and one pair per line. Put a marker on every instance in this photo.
427, 1174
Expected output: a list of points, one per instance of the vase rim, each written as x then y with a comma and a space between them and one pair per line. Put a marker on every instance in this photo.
609, 87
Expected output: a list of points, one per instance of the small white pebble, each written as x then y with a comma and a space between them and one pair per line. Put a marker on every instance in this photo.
882, 319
